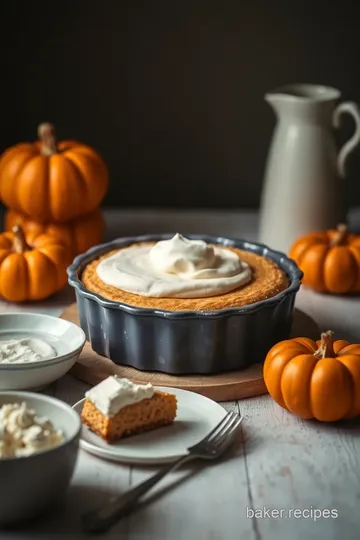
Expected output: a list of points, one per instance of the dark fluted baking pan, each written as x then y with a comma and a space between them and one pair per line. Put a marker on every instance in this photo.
184, 342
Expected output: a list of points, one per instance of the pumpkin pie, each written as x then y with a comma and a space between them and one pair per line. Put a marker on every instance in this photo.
188, 275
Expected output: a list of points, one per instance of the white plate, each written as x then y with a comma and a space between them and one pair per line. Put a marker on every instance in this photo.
196, 417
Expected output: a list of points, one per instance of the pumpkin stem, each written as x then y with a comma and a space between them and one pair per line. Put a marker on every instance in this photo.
340, 235
46, 134
326, 349
19, 243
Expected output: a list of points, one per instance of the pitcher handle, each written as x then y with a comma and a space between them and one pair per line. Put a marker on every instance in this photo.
351, 108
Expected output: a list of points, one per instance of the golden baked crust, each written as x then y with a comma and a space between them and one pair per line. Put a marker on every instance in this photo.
159, 410
268, 280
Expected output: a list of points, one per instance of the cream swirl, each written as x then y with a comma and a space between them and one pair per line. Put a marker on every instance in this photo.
23, 433
175, 268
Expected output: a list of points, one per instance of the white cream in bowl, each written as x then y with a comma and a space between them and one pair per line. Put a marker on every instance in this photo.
25, 350
23, 432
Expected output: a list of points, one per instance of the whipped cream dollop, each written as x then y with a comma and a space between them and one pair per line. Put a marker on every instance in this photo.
23, 433
177, 268
114, 393
25, 350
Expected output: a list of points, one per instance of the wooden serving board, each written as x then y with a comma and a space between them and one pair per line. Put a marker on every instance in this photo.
92, 368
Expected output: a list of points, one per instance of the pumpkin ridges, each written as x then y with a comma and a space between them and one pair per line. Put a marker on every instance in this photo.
16, 151
355, 241
94, 172
295, 384
352, 364
340, 270
310, 344
273, 374
11, 167
5, 241
32, 187
284, 347
339, 345
350, 349
3, 254
58, 256
313, 260
87, 184
38, 266
64, 186
79, 234
330, 390
299, 247
14, 278
355, 251
88, 231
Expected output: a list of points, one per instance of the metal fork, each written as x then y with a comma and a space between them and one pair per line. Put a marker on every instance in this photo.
211, 447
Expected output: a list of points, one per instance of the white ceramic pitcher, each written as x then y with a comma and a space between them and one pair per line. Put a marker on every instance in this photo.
303, 188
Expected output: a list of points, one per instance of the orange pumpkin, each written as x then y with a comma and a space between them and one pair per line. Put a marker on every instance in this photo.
318, 380
79, 234
31, 268
330, 260
50, 181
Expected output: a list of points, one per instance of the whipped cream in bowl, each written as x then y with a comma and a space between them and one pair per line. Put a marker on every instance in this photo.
39, 443
36, 349
23, 433
25, 350
175, 268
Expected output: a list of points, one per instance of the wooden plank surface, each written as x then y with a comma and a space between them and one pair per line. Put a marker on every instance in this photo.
296, 465
204, 501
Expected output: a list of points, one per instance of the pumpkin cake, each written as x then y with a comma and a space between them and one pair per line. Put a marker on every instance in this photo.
117, 408
181, 275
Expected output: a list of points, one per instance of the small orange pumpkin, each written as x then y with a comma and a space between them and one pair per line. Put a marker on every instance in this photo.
80, 234
330, 260
50, 181
318, 380
31, 268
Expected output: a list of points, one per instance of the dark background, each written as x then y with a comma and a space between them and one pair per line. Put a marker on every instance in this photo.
171, 92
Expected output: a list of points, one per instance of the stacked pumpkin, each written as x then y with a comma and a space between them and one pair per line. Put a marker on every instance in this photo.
52, 191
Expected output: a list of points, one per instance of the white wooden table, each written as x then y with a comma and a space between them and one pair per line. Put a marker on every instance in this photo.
302, 471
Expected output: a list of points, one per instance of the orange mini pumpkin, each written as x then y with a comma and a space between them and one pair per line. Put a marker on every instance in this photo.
318, 380
51, 181
330, 260
80, 234
31, 268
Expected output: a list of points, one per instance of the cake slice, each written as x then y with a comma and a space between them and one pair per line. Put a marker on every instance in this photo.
117, 408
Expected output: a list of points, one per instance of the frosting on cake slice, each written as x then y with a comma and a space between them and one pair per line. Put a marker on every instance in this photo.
117, 407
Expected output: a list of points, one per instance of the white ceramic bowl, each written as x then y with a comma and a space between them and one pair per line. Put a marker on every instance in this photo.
29, 485
66, 338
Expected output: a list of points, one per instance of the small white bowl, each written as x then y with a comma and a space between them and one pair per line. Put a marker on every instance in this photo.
66, 338
29, 485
